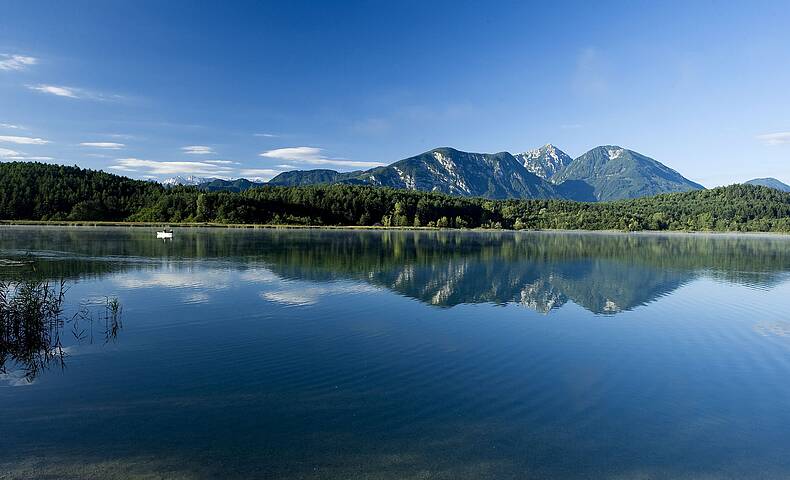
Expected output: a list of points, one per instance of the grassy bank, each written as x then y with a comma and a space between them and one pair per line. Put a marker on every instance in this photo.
367, 227
87, 223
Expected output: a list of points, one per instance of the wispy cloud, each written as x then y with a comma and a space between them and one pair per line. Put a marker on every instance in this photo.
36, 158
75, 93
12, 126
297, 154
314, 156
8, 154
778, 138
197, 150
373, 126
286, 166
266, 135
153, 167
104, 145
55, 90
22, 140
16, 62
260, 173
590, 78
222, 162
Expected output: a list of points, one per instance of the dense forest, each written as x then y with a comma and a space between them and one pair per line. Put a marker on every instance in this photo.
35, 191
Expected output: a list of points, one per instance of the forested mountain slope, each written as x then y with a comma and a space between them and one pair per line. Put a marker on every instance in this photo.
612, 173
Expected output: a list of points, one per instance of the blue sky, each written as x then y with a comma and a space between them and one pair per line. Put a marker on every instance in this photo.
155, 88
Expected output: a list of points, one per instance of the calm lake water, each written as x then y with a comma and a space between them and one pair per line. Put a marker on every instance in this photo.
406, 355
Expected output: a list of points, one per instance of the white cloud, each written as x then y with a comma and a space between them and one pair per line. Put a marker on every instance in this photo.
123, 168
106, 145
121, 136
55, 90
222, 162
152, 167
266, 135
22, 140
287, 167
16, 62
72, 92
198, 150
12, 126
298, 154
778, 138
8, 153
313, 156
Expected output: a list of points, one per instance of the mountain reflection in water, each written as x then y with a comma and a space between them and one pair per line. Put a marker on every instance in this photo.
603, 273
404, 354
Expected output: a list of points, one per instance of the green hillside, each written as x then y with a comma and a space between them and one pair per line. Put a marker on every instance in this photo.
611, 173
34, 191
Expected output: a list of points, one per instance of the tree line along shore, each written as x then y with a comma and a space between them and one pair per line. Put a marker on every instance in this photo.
53, 193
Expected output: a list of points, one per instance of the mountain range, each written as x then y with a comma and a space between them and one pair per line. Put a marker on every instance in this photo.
604, 173
190, 180
770, 183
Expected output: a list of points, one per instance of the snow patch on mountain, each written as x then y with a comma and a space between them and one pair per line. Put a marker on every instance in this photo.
444, 161
457, 182
406, 179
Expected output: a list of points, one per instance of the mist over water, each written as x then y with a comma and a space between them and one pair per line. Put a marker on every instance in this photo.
413, 354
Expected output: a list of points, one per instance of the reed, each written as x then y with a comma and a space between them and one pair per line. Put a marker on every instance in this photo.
32, 323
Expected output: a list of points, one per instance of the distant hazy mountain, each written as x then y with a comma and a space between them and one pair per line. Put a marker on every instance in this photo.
612, 173
189, 180
311, 177
770, 183
238, 185
545, 161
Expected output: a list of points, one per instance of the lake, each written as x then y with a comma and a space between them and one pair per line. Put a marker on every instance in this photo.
403, 354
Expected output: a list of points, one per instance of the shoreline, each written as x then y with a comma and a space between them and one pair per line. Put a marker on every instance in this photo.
66, 223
